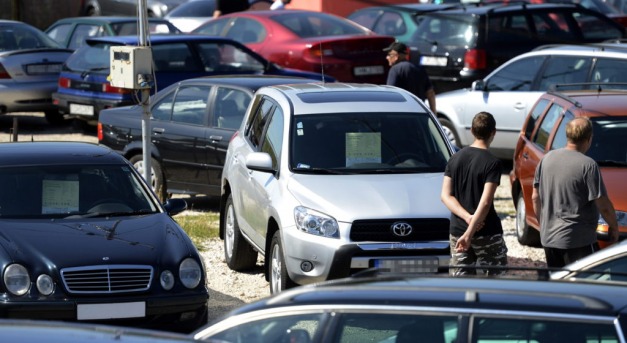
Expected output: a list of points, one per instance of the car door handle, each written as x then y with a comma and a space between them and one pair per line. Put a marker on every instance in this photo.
519, 106
158, 130
215, 139
525, 155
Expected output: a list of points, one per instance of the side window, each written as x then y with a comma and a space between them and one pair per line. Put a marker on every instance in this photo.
563, 70
610, 70
246, 30
534, 115
365, 17
553, 27
507, 330
288, 328
400, 328
230, 107
273, 141
58, 33
508, 28
163, 109
190, 105
596, 28
174, 57
546, 126
517, 76
254, 129
391, 24
215, 27
559, 141
83, 31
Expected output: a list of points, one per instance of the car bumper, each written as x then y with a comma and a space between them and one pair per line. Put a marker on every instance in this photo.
334, 259
65, 102
27, 97
176, 313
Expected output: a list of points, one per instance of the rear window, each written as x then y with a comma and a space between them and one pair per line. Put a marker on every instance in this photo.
322, 97
306, 25
445, 30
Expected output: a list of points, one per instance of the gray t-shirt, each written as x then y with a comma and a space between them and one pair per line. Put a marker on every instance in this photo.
568, 183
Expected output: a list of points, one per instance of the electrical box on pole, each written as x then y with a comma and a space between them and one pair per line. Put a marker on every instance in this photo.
131, 67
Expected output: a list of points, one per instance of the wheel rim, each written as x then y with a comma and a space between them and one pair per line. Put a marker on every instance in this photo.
139, 165
276, 266
229, 234
449, 134
521, 214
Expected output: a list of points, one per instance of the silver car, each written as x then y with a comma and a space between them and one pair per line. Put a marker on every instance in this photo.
30, 63
326, 180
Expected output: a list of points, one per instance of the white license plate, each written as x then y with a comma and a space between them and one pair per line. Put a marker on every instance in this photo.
416, 265
82, 109
111, 311
368, 70
42, 69
433, 61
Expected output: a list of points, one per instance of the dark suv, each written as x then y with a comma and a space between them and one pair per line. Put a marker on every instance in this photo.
461, 43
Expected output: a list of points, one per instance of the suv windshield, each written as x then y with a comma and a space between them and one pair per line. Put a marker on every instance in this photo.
61, 191
445, 30
367, 142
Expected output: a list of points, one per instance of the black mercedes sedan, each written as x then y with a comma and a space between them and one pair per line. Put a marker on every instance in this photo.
84, 238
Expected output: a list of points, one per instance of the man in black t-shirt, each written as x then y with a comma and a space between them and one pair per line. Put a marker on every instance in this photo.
230, 6
470, 181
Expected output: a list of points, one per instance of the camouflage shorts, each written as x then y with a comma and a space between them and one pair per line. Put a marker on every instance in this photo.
484, 251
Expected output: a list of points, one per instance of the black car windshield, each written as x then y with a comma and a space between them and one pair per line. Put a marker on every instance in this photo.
367, 143
608, 142
62, 191
445, 31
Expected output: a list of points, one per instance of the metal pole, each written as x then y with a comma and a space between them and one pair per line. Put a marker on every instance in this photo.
145, 94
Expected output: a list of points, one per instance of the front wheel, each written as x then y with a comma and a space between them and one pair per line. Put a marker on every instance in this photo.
279, 279
156, 175
239, 255
526, 234
449, 131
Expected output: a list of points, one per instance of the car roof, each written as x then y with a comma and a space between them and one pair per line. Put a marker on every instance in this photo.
459, 293
106, 19
481, 8
339, 97
160, 38
598, 102
56, 153
252, 82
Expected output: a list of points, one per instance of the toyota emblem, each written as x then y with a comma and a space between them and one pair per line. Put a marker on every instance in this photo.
401, 229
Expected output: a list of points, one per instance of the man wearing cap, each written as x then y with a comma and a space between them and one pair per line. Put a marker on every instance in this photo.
408, 76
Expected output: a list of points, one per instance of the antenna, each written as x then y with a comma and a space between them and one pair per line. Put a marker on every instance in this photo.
321, 63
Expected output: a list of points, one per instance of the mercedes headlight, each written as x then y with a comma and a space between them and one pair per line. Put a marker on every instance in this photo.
316, 223
190, 273
16, 279
167, 280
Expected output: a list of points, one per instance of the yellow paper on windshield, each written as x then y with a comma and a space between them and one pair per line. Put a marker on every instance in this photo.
363, 147
59, 196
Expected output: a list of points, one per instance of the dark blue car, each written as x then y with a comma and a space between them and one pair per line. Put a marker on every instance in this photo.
84, 89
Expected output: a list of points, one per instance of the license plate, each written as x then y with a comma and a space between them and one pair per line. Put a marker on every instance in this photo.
82, 109
111, 311
368, 70
433, 61
416, 265
43, 69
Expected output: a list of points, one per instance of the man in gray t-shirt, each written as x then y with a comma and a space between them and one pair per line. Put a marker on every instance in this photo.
568, 195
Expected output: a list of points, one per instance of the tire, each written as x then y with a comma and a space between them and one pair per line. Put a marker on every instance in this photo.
54, 117
526, 234
238, 254
450, 132
156, 176
279, 279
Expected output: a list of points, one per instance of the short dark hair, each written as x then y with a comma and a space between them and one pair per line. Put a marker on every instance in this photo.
483, 125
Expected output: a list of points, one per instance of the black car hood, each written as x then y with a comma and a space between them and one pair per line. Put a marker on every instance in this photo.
146, 239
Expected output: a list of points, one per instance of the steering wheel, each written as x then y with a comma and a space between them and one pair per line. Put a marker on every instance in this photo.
109, 205
402, 157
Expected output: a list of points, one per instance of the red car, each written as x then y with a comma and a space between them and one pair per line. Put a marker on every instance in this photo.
308, 40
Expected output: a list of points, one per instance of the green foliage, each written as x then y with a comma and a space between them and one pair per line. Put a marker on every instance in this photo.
200, 226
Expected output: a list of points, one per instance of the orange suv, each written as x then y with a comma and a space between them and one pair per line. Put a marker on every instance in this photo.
544, 130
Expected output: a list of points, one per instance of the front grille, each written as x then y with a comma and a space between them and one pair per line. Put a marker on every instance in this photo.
107, 279
423, 229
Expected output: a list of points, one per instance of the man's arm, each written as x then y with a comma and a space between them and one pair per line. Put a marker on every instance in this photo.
606, 208
431, 99
451, 202
477, 220
537, 205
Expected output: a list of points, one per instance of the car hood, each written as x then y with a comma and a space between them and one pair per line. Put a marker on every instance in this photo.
138, 240
350, 197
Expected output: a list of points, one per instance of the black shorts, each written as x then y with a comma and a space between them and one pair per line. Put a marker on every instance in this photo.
558, 258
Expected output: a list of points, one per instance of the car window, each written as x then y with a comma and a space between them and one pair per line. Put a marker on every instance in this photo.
508, 28
190, 105
563, 70
534, 115
245, 30
163, 109
594, 27
279, 328
174, 57
607, 142
559, 141
216, 27
391, 24
59, 32
83, 31
273, 141
613, 270
228, 58
306, 25
610, 70
554, 26
366, 17
257, 123
506, 330
516, 76
366, 141
130, 28
546, 126
93, 58
230, 107
397, 328
445, 30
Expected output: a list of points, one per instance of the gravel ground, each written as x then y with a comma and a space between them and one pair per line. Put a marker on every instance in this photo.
229, 289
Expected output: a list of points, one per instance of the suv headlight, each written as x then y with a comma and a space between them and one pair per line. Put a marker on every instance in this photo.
190, 273
316, 223
16, 279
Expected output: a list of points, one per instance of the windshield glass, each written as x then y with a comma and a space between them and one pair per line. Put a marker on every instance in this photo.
445, 31
367, 142
608, 140
61, 191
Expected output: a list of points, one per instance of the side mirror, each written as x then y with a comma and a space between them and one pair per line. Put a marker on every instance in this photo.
175, 206
260, 161
479, 85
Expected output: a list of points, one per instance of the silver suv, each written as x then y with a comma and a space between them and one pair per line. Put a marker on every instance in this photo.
325, 180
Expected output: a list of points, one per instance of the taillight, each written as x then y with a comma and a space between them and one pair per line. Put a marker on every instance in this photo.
3, 73
317, 50
475, 59
64, 82
99, 132
107, 88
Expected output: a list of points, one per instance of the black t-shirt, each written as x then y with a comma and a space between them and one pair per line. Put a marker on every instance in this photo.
232, 6
411, 78
470, 169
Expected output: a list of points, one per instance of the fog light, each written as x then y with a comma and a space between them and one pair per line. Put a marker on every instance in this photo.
306, 266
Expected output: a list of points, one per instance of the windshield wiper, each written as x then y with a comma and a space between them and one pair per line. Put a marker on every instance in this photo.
319, 170
111, 214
